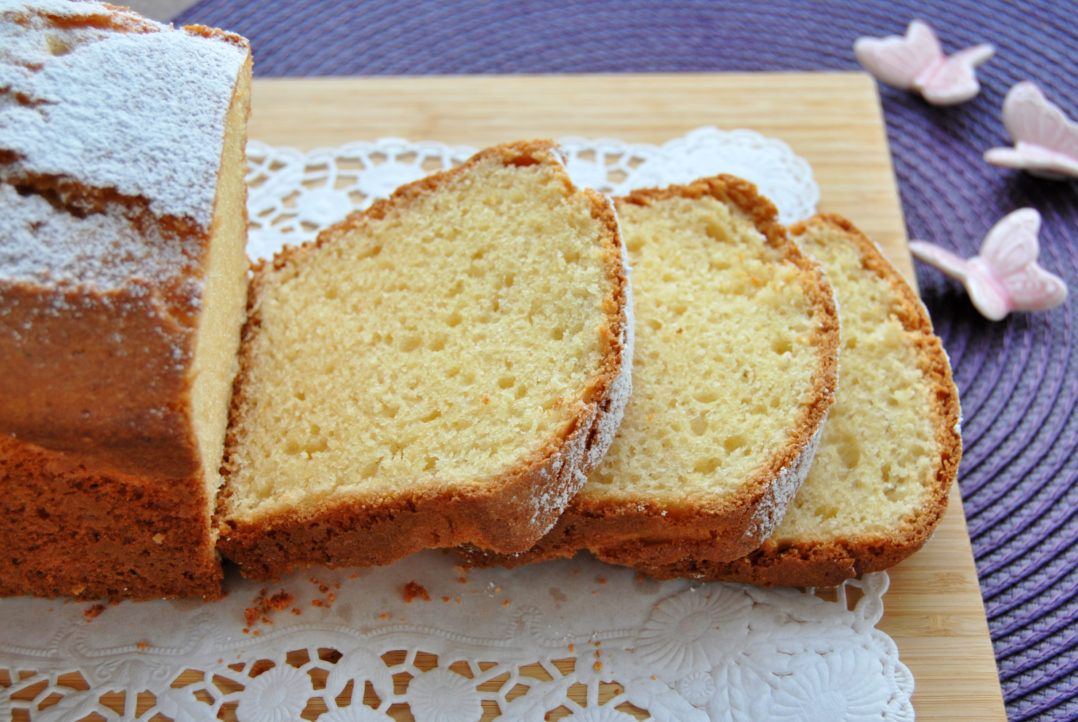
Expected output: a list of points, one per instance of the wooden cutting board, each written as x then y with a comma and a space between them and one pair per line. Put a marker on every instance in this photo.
934, 610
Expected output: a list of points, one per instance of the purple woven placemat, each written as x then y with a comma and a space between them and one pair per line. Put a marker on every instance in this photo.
1018, 378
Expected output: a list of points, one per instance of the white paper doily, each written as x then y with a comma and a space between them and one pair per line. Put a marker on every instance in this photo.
425, 639
294, 194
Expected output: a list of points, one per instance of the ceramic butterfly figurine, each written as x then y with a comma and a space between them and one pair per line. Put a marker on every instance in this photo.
1045, 140
916, 62
1005, 276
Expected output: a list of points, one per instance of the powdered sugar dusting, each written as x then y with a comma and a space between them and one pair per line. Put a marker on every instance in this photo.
139, 112
577, 458
772, 507
104, 250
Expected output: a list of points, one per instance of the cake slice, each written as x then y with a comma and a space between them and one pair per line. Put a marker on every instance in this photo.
735, 368
445, 367
892, 445
122, 292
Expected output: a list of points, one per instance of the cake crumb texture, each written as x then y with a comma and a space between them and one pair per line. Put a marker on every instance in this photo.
735, 369
444, 367
891, 448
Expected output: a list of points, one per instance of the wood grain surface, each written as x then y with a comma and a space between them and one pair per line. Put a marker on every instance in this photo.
934, 610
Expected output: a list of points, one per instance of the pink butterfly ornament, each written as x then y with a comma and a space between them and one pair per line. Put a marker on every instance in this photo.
917, 62
1045, 140
1005, 276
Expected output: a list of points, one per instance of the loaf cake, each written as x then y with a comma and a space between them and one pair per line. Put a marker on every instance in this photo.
735, 369
122, 292
892, 445
445, 367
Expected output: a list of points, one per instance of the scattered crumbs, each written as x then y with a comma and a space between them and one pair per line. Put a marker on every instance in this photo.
414, 590
246, 630
220, 660
297, 611
337, 586
323, 588
486, 400
505, 602
598, 666
679, 330
653, 678
445, 598
602, 580
457, 600
256, 632
263, 606
383, 615
597, 643
93, 612
572, 648
355, 575
462, 580
142, 644
460, 569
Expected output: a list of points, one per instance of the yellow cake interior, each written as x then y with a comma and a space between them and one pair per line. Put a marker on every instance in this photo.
439, 345
722, 353
224, 296
878, 454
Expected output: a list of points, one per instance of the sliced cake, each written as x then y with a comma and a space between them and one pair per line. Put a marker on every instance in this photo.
892, 445
735, 369
122, 292
443, 368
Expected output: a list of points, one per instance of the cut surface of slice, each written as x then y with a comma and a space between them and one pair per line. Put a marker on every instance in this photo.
891, 449
734, 373
442, 368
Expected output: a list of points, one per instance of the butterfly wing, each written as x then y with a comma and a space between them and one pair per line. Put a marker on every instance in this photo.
1034, 159
955, 79
1012, 244
1035, 289
1030, 118
1046, 141
895, 60
987, 291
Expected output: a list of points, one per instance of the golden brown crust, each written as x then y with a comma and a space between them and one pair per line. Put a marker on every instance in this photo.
71, 529
826, 562
77, 381
508, 514
624, 530
104, 489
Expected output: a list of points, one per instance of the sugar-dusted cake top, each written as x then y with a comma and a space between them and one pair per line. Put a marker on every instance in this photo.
104, 98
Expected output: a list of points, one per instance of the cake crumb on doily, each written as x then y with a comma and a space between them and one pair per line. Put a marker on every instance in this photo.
414, 589
263, 605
